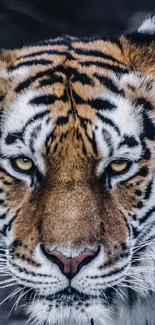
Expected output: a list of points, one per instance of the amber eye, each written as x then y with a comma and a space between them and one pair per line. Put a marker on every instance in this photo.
119, 166
22, 163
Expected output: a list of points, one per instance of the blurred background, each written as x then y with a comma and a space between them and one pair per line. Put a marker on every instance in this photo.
23, 22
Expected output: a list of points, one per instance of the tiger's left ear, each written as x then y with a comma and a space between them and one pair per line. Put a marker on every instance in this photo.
139, 47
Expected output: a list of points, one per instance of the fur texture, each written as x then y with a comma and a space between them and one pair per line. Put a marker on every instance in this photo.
74, 106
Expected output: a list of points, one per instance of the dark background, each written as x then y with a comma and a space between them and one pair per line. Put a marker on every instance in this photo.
23, 22
27, 21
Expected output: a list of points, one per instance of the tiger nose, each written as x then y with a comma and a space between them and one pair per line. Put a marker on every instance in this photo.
70, 266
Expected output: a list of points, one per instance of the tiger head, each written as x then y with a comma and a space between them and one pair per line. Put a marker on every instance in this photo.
77, 185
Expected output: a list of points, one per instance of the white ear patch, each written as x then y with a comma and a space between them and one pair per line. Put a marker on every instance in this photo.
148, 26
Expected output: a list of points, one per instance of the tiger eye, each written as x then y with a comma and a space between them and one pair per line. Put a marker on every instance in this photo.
23, 163
119, 166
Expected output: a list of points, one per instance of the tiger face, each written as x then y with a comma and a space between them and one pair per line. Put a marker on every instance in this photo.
77, 170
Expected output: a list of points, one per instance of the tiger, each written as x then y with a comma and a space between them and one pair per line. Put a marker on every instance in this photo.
77, 178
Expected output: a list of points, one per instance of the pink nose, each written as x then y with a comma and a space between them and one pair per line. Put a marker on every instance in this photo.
70, 266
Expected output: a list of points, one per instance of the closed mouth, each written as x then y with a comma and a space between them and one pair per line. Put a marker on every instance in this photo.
69, 297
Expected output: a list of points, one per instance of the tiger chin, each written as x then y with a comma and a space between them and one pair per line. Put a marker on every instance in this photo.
77, 178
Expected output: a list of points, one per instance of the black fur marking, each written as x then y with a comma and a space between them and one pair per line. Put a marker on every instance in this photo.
101, 104
30, 63
4, 215
129, 141
51, 80
142, 172
109, 122
147, 215
12, 137
62, 120
106, 81
44, 100
135, 231
143, 102
140, 205
106, 66
149, 127
42, 52
97, 54
8, 226
83, 78
138, 192
49, 73
148, 190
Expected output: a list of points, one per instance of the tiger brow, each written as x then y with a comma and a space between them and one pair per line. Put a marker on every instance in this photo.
129, 141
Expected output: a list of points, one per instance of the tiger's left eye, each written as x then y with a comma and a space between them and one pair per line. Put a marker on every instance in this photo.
22, 164
119, 166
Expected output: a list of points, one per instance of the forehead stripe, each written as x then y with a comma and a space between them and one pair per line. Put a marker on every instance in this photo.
104, 65
30, 63
97, 54
109, 122
49, 73
106, 81
12, 137
33, 54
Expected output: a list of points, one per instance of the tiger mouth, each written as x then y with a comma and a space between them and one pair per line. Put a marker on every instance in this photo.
70, 296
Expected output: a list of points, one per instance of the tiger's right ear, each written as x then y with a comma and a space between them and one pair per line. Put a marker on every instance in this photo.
139, 48
146, 31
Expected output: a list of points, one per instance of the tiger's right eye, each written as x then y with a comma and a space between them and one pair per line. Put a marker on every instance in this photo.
23, 164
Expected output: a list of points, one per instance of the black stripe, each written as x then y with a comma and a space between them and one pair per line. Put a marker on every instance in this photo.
30, 63
142, 172
12, 137
129, 141
143, 102
106, 81
142, 234
8, 226
149, 127
147, 215
44, 100
109, 122
107, 66
101, 104
26, 83
136, 231
42, 52
97, 54
4, 215
82, 77
98, 103
62, 120
148, 190
116, 271
51, 80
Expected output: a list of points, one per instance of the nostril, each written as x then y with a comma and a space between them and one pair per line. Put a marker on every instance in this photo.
70, 266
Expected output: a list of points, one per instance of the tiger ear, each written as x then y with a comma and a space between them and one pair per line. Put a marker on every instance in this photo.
139, 47
145, 32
